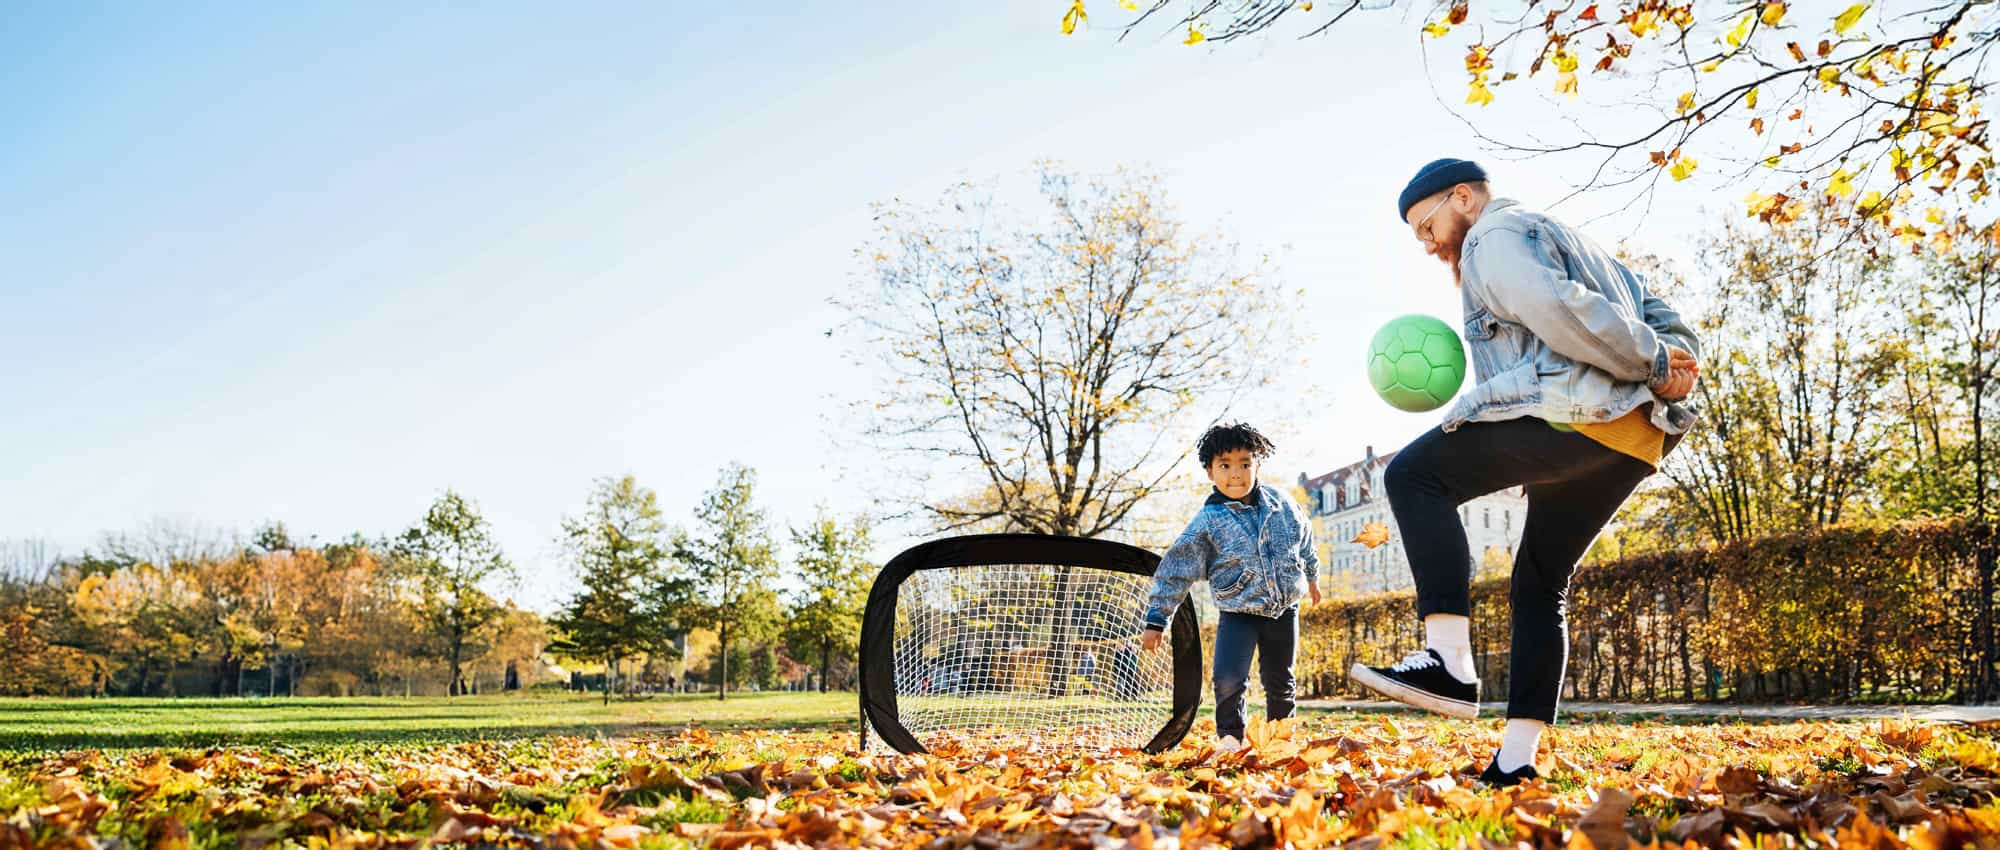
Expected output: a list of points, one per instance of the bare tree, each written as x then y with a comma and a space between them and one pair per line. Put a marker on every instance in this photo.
1796, 389
1052, 361
1966, 281
26, 560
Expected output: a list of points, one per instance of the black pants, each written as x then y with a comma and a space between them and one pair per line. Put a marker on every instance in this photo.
1574, 486
1275, 642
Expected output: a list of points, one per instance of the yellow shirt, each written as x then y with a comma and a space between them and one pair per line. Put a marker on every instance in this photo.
1633, 434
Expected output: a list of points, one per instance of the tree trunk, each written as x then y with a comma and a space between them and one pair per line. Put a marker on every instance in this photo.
457, 685
825, 662
722, 662
1983, 535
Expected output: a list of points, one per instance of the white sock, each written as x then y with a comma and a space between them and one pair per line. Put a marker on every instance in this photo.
1519, 743
1451, 636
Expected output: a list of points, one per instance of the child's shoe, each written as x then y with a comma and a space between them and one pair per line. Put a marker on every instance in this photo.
1228, 744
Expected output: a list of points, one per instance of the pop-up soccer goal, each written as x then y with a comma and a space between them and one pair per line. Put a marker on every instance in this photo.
1006, 639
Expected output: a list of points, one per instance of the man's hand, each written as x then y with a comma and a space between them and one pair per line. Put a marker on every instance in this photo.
1683, 369
1313, 588
1149, 640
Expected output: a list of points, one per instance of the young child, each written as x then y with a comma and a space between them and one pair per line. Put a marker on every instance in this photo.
1254, 547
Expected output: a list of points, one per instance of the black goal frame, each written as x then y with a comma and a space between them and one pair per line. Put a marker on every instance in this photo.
878, 622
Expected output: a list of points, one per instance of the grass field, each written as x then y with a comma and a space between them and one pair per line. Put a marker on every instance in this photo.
47, 724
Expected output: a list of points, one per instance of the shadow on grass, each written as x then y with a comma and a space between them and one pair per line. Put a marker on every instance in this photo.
168, 705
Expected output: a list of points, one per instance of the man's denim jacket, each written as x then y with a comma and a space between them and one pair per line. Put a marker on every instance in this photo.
1558, 329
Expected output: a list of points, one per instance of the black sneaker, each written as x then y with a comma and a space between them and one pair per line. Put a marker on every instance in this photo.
1498, 778
1421, 680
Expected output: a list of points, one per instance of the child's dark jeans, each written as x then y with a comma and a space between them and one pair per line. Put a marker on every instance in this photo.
1275, 641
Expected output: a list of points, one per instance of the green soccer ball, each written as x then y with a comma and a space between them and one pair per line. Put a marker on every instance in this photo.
1416, 363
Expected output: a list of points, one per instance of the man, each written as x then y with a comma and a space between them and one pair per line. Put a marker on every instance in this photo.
1579, 374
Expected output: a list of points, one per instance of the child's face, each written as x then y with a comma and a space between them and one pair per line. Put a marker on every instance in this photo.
1234, 473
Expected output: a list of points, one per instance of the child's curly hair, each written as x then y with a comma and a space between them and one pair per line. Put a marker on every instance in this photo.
1221, 439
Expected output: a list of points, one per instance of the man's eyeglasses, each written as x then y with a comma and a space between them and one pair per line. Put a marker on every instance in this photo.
1423, 224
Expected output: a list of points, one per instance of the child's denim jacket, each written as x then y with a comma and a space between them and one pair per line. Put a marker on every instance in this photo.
1257, 556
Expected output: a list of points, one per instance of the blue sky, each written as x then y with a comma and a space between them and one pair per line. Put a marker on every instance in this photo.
317, 264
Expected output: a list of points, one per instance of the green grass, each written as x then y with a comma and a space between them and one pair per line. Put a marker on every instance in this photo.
60, 724
41, 725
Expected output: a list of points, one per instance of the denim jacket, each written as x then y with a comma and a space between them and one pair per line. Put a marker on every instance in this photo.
1256, 555
1559, 329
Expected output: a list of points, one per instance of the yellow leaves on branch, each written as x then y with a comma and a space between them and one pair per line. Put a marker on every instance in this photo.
1194, 36
1680, 166
1649, 18
1642, 22
1769, 14
1455, 16
1479, 63
1874, 206
1849, 18
1741, 32
1565, 63
1765, 207
1074, 16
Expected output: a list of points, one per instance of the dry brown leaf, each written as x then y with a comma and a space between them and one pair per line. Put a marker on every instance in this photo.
1738, 780
1604, 823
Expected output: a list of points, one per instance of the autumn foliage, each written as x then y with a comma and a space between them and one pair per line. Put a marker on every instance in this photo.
1873, 105
1315, 783
1845, 613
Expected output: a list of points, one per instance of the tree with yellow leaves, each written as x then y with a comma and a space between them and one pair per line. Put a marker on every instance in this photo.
1806, 99
1055, 366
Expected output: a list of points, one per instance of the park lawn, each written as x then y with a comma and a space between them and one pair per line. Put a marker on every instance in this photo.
117, 723
44, 724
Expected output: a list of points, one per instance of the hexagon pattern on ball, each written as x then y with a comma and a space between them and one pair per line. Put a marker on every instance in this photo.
1416, 363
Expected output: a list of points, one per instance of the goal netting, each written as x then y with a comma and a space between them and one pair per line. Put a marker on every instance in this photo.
1011, 639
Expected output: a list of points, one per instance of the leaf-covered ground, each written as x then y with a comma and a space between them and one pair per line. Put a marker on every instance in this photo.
1329, 781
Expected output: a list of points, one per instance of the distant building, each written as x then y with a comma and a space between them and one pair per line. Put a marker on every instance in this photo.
1344, 500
